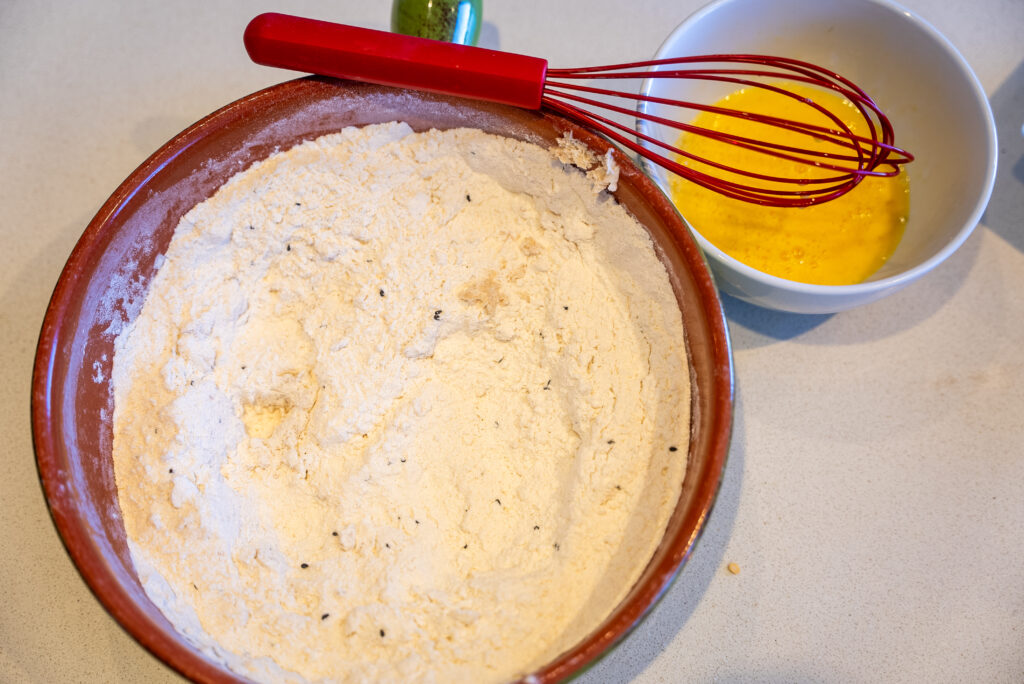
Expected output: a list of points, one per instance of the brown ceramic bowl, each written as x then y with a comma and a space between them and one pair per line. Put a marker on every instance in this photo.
106, 277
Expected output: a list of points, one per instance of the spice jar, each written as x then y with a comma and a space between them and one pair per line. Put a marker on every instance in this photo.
454, 21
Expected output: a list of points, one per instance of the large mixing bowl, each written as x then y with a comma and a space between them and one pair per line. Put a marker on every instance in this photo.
107, 276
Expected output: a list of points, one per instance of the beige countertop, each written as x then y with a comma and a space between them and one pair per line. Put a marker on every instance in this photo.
874, 495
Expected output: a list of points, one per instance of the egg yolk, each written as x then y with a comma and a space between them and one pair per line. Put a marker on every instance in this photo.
839, 242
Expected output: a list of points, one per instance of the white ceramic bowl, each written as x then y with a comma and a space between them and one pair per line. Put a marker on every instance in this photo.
935, 102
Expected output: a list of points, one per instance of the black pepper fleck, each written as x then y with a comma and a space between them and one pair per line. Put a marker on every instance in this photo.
325, 616
557, 547
170, 470
536, 527
672, 448
298, 204
304, 566
465, 546
382, 292
437, 315
548, 385
416, 521
611, 441
334, 534
382, 634
468, 198
497, 501
252, 228
566, 308
288, 248
387, 545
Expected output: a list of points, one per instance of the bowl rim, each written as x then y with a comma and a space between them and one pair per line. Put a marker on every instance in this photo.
188, 661
871, 286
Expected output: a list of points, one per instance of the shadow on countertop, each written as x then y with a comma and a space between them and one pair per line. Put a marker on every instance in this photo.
1003, 215
761, 326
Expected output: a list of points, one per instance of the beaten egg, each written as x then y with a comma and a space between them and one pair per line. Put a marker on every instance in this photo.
840, 242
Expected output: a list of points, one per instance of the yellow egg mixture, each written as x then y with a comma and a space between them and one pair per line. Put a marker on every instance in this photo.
839, 242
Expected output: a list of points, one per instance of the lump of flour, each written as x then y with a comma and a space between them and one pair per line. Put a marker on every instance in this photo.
400, 407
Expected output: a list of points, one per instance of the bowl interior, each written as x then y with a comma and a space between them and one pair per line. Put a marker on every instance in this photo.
105, 281
937, 108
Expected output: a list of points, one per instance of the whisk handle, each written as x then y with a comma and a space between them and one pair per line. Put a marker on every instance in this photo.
341, 51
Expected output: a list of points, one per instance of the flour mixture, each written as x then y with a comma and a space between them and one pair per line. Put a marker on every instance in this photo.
400, 407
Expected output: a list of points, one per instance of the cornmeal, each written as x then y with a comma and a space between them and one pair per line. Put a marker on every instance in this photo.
400, 407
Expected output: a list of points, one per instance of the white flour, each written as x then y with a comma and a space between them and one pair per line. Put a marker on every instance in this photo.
400, 407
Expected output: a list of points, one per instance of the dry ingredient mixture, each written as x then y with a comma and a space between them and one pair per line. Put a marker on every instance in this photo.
400, 407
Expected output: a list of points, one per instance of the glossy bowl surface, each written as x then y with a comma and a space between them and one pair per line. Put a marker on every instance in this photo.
937, 106
106, 278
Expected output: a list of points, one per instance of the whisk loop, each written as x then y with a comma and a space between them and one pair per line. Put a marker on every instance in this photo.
839, 158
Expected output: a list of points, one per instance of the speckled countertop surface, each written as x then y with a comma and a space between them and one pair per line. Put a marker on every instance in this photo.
874, 495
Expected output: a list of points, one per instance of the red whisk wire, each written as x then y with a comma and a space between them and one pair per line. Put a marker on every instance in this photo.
748, 193
750, 143
865, 155
724, 137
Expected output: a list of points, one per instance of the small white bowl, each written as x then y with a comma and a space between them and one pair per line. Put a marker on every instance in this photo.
936, 104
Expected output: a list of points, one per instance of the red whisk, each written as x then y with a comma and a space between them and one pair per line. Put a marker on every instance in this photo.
397, 60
